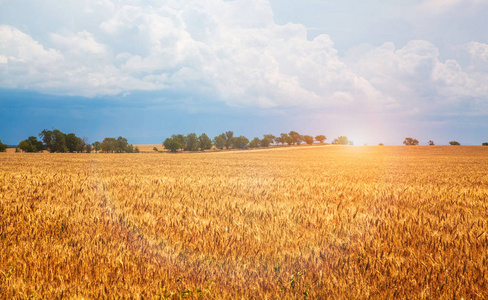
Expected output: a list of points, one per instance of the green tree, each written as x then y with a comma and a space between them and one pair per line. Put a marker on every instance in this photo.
289, 140
454, 143
172, 144
31, 145
254, 143
308, 139
96, 146
54, 140
181, 139
204, 142
281, 139
25, 146
484, 144
88, 148
123, 146
431, 143
220, 141
229, 139
320, 138
410, 142
342, 140
109, 145
191, 142
73, 143
240, 142
267, 140
296, 138
3, 147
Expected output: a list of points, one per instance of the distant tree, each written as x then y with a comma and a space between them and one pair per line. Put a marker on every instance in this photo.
3, 147
136, 150
37, 145
229, 139
254, 143
109, 145
73, 143
240, 142
204, 142
308, 139
88, 148
172, 144
454, 143
342, 140
17, 150
380, 144
191, 142
283, 138
296, 138
431, 143
484, 144
267, 140
219, 141
320, 138
181, 139
123, 146
96, 146
26, 146
155, 149
31, 145
54, 141
82, 144
410, 142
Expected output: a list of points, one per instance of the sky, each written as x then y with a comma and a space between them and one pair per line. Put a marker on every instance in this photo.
375, 71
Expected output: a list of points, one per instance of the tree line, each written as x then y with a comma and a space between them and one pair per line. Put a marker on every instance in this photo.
227, 140
59, 142
414, 142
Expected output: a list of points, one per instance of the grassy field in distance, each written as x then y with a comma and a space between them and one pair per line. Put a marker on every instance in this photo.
286, 223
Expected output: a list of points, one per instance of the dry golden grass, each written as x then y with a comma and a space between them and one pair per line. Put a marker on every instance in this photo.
149, 147
316, 222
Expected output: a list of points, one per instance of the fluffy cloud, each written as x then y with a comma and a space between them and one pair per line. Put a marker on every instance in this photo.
418, 81
230, 48
23, 61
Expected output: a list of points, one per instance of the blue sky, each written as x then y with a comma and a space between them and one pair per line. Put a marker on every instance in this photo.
374, 70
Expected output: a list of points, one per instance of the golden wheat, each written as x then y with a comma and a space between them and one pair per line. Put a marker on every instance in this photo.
307, 222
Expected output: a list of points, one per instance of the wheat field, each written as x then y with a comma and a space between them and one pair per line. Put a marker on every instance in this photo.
291, 223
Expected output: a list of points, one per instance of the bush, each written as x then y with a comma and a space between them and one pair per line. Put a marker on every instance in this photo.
172, 144
454, 143
3, 147
31, 145
410, 142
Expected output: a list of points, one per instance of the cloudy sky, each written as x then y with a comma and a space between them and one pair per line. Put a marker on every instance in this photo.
373, 70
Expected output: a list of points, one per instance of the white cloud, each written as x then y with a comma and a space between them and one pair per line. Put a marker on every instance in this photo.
24, 63
416, 78
80, 43
232, 48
